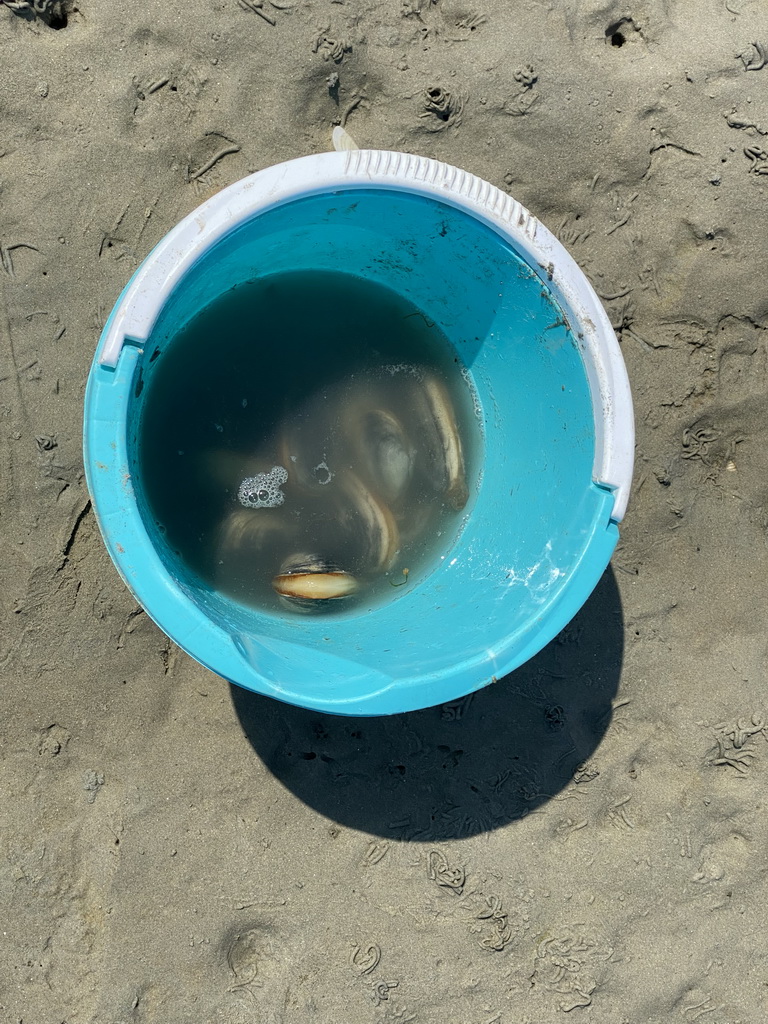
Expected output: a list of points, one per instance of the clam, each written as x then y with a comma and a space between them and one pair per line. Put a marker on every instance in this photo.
311, 583
446, 460
385, 455
243, 542
244, 531
366, 514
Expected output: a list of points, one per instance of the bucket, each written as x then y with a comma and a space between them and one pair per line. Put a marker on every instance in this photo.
553, 398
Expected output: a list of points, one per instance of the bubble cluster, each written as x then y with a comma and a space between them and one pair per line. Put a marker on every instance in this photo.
263, 490
323, 474
406, 368
476, 405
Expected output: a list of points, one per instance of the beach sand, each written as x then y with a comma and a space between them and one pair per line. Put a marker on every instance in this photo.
585, 840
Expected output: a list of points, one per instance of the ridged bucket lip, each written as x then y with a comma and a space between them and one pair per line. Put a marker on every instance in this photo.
140, 304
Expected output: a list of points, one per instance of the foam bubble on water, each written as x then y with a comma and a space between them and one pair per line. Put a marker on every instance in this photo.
407, 368
263, 490
476, 406
323, 474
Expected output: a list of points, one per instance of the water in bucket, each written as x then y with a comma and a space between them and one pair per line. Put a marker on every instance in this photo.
325, 460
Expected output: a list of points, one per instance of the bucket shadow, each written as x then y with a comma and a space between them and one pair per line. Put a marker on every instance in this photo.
458, 769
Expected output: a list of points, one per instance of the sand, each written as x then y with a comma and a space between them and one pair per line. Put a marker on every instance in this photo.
587, 839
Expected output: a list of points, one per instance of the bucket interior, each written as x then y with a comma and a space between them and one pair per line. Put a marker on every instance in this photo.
535, 510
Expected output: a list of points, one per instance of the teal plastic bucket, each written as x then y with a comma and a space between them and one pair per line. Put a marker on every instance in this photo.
554, 403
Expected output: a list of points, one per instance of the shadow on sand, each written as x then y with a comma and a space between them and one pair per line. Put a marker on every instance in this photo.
458, 769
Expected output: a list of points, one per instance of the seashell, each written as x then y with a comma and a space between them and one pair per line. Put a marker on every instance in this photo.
446, 467
245, 534
310, 583
243, 541
373, 518
385, 454
342, 141
315, 586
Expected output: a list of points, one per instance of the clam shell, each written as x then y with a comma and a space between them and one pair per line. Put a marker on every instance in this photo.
244, 541
308, 583
246, 531
385, 456
373, 518
315, 586
342, 141
446, 462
